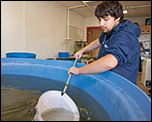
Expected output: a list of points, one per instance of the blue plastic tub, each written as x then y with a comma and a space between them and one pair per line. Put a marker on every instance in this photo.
20, 55
122, 100
63, 54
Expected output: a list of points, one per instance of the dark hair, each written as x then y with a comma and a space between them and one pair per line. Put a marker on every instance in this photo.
113, 8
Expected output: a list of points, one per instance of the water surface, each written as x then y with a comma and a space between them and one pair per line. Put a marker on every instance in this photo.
19, 95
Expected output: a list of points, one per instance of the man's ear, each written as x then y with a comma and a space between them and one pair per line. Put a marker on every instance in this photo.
118, 19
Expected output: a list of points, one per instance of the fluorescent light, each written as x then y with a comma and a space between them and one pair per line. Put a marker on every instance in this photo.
89, 1
125, 11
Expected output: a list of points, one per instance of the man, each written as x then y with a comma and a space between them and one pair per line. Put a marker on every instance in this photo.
142, 50
119, 45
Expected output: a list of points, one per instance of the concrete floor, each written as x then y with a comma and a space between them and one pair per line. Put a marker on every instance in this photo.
142, 87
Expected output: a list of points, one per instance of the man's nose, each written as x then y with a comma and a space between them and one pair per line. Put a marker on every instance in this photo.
101, 22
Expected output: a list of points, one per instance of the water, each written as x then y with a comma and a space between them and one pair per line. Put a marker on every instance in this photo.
16, 105
19, 95
57, 114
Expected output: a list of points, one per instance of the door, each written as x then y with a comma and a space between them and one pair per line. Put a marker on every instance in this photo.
93, 34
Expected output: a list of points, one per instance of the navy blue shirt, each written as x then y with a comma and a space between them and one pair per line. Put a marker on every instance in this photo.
122, 42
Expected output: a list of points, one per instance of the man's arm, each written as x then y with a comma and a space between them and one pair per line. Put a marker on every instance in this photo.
93, 45
143, 48
101, 65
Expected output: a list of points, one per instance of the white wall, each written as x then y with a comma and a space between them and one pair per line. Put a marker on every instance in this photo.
36, 26
11, 26
45, 24
79, 22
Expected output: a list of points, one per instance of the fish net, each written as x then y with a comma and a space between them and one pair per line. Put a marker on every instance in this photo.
52, 106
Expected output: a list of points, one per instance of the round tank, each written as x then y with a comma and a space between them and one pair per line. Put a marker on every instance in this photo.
20, 55
122, 100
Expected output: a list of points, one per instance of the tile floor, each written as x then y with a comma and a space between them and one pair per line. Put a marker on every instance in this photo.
142, 87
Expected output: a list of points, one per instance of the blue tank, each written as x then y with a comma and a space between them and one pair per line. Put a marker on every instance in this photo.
122, 100
20, 55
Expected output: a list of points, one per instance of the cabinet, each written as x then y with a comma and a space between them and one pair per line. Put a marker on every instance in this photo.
145, 28
146, 72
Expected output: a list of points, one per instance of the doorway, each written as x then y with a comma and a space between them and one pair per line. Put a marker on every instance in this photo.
92, 34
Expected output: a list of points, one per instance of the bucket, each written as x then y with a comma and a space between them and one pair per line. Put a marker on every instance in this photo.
63, 54
20, 55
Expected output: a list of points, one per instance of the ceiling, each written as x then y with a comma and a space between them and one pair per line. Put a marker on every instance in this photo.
86, 8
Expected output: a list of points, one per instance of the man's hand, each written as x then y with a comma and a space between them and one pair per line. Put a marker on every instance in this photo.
78, 54
74, 70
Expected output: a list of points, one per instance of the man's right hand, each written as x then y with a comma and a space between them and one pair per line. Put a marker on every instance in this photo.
78, 54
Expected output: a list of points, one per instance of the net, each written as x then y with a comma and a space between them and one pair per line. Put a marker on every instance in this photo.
52, 106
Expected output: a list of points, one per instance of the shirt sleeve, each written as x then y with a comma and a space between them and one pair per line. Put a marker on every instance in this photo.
122, 48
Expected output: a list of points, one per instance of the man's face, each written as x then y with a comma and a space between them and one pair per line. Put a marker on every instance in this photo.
108, 23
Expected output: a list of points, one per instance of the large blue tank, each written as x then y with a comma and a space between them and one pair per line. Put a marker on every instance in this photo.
122, 100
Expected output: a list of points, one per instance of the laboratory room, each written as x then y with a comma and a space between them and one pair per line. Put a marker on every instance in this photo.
75, 60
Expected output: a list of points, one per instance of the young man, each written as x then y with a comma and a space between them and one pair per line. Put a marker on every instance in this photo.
119, 45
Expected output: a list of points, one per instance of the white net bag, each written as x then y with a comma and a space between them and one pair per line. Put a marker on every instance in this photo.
52, 106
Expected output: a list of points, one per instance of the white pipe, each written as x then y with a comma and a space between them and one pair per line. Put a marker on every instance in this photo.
87, 5
138, 6
68, 17
68, 25
24, 47
76, 6
72, 8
